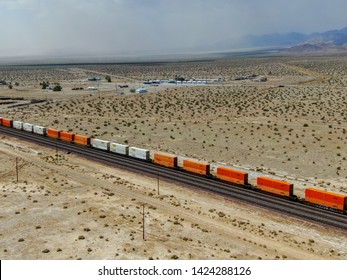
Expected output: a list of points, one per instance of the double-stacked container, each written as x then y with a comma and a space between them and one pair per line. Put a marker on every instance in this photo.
18, 125
328, 199
119, 148
6, 122
275, 186
41, 130
66, 136
197, 167
139, 153
100, 144
233, 176
82, 140
165, 159
28, 127
53, 133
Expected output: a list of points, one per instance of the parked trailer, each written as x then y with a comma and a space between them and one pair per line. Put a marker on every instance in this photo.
18, 125
196, 166
324, 198
119, 148
82, 140
66, 136
275, 186
165, 159
139, 153
39, 130
101, 144
7, 122
28, 127
53, 133
233, 176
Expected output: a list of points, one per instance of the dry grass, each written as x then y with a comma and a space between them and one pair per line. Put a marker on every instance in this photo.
68, 208
296, 130
76, 209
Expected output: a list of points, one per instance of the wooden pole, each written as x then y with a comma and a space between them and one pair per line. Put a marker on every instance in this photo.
17, 168
56, 152
143, 222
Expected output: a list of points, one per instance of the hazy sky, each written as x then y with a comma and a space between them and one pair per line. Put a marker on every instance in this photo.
48, 27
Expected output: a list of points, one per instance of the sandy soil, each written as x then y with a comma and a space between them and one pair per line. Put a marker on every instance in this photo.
66, 207
292, 127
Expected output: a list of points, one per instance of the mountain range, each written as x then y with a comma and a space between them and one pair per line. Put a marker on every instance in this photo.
332, 39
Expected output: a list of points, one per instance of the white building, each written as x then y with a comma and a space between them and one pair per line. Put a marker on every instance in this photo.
141, 90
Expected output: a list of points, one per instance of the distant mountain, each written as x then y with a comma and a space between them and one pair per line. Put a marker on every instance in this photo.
305, 48
275, 39
331, 37
316, 47
334, 37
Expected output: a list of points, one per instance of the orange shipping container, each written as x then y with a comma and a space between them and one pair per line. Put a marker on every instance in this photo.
165, 159
82, 140
53, 133
233, 176
66, 136
196, 167
328, 199
275, 186
6, 122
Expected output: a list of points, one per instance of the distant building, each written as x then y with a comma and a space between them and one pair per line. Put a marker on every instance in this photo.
93, 79
141, 90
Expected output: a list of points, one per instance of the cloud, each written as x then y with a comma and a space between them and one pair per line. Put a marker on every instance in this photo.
134, 26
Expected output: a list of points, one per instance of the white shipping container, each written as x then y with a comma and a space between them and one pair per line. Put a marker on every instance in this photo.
119, 148
101, 144
139, 153
28, 127
39, 130
18, 125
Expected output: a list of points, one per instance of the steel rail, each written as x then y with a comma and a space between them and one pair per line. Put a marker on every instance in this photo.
225, 189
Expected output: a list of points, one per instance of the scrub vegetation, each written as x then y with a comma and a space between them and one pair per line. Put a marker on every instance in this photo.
293, 125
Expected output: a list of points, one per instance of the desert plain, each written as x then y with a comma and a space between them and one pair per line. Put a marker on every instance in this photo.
291, 127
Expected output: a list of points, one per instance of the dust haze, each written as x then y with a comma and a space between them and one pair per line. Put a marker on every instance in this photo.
119, 27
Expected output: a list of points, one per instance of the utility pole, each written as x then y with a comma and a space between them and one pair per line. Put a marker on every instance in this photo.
17, 168
143, 222
56, 152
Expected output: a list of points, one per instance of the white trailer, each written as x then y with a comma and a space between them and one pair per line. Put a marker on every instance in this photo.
39, 130
28, 127
18, 125
101, 144
139, 153
119, 148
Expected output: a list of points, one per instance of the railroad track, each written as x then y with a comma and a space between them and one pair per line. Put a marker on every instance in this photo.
268, 201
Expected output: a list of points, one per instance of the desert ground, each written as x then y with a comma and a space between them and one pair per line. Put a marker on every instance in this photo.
291, 127
66, 207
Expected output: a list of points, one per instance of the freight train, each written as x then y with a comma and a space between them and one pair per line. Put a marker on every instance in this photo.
315, 197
